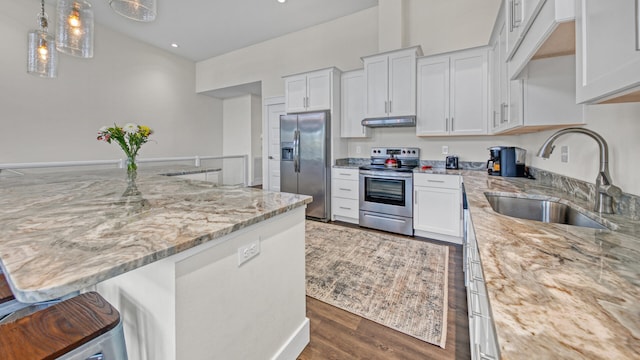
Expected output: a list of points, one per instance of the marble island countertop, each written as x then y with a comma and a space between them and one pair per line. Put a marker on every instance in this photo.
63, 231
556, 291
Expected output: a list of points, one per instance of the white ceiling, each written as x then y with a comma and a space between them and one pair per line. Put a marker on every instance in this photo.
207, 28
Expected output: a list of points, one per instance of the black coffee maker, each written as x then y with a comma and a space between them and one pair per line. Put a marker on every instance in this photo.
506, 161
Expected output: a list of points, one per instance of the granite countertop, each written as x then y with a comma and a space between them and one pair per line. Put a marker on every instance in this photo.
557, 291
63, 231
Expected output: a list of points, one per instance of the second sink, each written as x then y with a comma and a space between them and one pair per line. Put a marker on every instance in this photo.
540, 210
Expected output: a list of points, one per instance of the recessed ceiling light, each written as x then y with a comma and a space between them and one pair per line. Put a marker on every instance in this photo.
282, 1
174, 45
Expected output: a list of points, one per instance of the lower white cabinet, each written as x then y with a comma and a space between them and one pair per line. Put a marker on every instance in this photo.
210, 176
344, 195
437, 208
482, 334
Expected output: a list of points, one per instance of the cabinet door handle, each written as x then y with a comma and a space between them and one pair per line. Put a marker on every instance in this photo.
343, 189
390, 103
345, 208
386, 107
446, 124
452, 124
435, 181
517, 13
505, 109
415, 197
637, 25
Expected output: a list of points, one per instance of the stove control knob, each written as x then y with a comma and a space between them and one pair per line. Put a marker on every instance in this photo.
404, 151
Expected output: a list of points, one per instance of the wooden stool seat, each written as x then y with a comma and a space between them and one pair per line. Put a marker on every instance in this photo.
58, 329
5, 292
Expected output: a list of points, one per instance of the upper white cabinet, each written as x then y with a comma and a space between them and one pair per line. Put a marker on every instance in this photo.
390, 83
310, 91
352, 105
607, 50
519, 15
547, 32
506, 94
453, 94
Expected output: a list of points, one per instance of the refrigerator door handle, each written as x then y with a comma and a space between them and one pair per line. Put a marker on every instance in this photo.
296, 151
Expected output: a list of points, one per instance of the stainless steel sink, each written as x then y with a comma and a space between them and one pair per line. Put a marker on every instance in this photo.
540, 210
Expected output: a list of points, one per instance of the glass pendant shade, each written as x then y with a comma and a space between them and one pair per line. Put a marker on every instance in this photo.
140, 10
74, 28
42, 57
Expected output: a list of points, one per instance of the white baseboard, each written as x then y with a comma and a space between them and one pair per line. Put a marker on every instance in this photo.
436, 236
296, 343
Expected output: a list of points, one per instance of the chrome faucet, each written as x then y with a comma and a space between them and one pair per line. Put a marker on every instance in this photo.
606, 191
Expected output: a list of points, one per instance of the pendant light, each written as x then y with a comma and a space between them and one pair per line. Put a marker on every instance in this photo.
74, 30
139, 10
42, 58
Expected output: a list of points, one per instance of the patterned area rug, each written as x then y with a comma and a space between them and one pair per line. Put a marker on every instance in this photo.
397, 282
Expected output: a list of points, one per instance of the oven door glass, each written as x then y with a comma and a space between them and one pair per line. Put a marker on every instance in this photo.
384, 191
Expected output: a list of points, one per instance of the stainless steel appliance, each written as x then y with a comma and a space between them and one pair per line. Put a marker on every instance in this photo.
304, 160
386, 190
451, 162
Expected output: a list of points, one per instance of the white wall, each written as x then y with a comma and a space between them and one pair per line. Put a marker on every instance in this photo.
442, 26
126, 81
619, 125
338, 43
236, 135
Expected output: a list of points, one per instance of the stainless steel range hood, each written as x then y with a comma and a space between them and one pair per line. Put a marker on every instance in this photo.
403, 121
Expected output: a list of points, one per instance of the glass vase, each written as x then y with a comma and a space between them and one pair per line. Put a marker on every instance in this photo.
132, 174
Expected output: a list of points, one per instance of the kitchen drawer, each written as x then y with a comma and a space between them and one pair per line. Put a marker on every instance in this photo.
346, 174
437, 180
345, 189
345, 207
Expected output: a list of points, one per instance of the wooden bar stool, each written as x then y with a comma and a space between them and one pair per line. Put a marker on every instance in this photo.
83, 327
8, 304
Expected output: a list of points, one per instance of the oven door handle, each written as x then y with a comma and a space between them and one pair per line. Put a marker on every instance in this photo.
385, 175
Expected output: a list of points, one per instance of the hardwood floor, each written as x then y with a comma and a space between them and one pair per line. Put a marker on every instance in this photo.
337, 334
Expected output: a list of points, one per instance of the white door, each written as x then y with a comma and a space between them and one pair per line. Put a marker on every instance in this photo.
273, 140
437, 210
319, 91
296, 93
433, 96
402, 84
376, 82
469, 100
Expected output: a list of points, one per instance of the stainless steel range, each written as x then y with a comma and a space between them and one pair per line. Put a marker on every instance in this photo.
386, 190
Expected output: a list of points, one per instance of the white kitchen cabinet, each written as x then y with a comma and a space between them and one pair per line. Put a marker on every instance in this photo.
452, 93
310, 91
210, 176
437, 209
519, 15
482, 335
548, 97
608, 51
352, 105
390, 83
345, 189
507, 111
549, 32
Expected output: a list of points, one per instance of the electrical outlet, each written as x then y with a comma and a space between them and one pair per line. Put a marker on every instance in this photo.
358, 149
564, 154
248, 252
445, 150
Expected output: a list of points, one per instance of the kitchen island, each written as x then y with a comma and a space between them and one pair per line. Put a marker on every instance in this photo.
195, 269
556, 291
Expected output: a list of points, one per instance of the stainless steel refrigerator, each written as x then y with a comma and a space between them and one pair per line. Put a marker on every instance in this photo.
304, 161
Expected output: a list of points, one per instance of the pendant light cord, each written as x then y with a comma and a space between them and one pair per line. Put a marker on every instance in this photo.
44, 23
